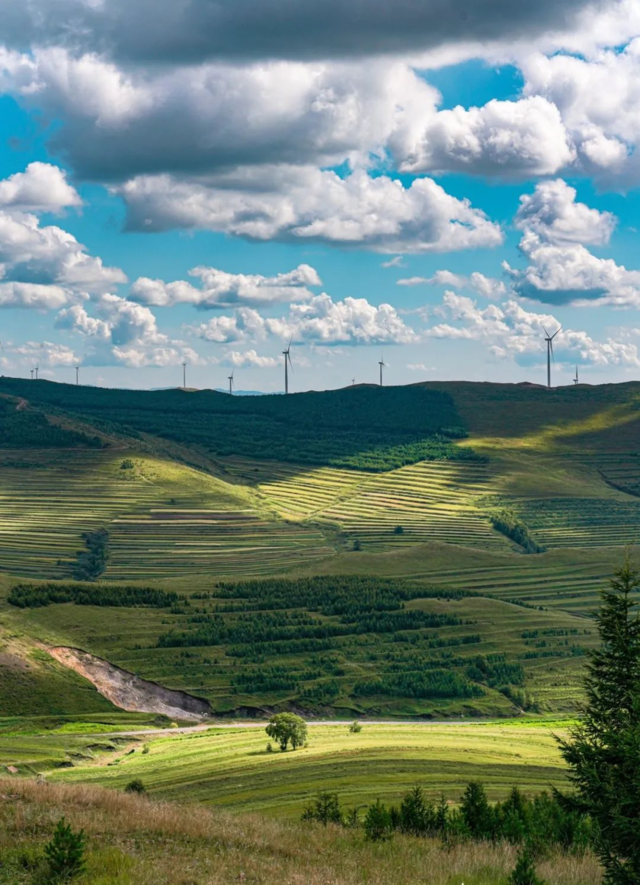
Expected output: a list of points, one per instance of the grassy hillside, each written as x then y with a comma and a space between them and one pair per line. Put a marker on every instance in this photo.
163, 518
183, 491
230, 767
134, 840
350, 646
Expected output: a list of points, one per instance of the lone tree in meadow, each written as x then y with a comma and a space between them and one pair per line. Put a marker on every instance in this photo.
603, 751
287, 728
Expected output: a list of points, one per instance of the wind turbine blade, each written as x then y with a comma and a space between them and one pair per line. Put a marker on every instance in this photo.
545, 332
556, 333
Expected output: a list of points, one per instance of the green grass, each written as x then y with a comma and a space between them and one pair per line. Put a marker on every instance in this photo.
230, 768
548, 645
163, 519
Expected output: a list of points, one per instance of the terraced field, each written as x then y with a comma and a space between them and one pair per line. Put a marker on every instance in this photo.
164, 543
570, 585
582, 522
163, 519
430, 501
621, 471
296, 491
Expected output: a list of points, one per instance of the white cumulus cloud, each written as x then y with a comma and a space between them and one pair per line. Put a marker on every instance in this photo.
305, 204
220, 289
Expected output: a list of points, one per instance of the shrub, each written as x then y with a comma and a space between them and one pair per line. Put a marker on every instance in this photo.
399, 530
135, 786
508, 524
355, 727
127, 464
324, 809
65, 852
357, 545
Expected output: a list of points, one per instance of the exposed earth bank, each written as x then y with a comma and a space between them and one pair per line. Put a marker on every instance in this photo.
130, 692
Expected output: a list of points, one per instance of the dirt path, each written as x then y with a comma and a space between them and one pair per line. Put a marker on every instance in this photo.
261, 723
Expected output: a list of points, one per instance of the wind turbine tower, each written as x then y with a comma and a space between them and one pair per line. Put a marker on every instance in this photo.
77, 375
32, 374
550, 356
576, 380
36, 371
287, 362
184, 376
230, 379
382, 365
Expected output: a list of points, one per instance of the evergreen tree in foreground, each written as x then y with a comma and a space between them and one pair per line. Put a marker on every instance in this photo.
603, 752
525, 871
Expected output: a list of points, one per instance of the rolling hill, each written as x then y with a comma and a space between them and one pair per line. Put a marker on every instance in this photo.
384, 532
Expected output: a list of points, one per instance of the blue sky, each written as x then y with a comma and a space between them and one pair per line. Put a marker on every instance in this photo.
436, 195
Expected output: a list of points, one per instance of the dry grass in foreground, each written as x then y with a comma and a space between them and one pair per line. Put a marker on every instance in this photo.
137, 841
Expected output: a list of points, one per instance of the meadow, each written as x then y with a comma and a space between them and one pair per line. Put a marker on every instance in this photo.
231, 768
152, 841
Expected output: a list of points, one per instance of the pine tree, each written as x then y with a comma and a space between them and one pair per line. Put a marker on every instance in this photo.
377, 823
603, 752
65, 852
524, 872
476, 811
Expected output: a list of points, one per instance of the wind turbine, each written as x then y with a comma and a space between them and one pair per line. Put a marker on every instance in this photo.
231, 383
353, 382
382, 365
31, 374
550, 356
287, 362
184, 376
36, 371
576, 380
77, 375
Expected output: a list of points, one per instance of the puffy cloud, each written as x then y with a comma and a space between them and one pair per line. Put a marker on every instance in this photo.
352, 321
124, 334
163, 31
32, 295
40, 188
505, 138
397, 261
571, 274
244, 324
478, 282
553, 214
40, 354
561, 270
221, 289
30, 252
597, 98
44, 266
249, 359
117, 124
510, 331
305, 204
